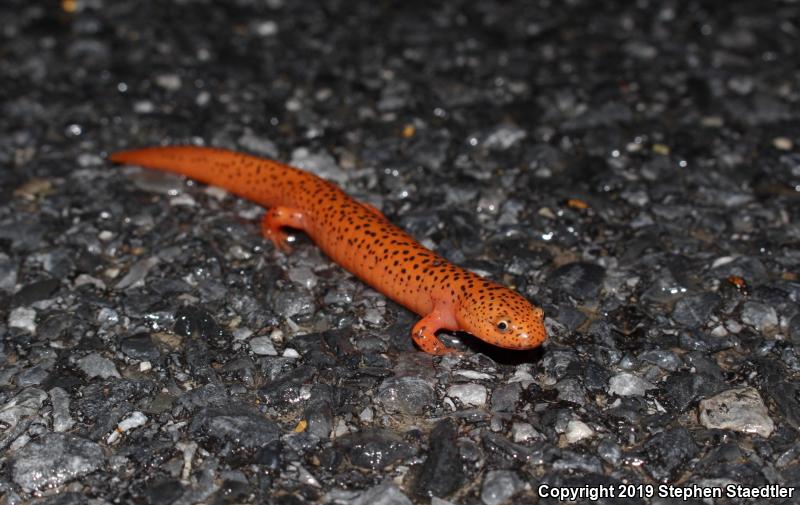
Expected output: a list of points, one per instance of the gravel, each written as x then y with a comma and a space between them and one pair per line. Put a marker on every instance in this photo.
577, 430
405, 395
53, 460
632, 167
468, 394
740, 409
23, 318
626, 384
26, 403
499, 486
263, 346
95, 365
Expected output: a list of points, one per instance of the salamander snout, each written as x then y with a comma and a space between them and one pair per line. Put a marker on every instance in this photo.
503, 318
523, 330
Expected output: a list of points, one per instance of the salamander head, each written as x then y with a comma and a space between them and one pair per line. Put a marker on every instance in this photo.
501, 317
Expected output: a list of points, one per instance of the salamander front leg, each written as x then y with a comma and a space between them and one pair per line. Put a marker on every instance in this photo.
278, 218
424, 335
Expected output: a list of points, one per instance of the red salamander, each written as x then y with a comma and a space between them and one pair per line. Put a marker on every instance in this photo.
362, 240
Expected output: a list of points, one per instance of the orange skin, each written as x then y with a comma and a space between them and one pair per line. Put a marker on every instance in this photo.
362, 240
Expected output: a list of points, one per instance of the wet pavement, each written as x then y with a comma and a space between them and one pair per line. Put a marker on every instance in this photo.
634, 168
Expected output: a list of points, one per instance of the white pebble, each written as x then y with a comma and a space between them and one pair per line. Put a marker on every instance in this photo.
94, 365
522, 432
134, 420
23, 318
144, 107
263, 346
577, 430
182, 200
170, 82
242, 333
216, 192
468, 394
84, 279
626, 384
266, 28
473, 375
740, 409
366, 415
783, 143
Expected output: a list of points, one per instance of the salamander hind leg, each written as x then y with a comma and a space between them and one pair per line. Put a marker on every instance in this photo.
424, 335
278, 218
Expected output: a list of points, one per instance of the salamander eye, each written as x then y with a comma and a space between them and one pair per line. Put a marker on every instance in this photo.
502, 325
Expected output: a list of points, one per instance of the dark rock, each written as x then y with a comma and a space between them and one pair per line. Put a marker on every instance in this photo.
443, 471
60, 325
572, 462
794, 329
207, 395
694, 311
63, 499
163, 491
96, 399
140, 347
571, 318
582, 281
667, 453
196, 323
594, 377
55, 459
35, 375
505, 397
319, 411
406, 395
40, 290
238, 425
374, 449
664, 359
315, 350
570, 389
781, 391
291, 302
288, 390
505, 450
751, 269
269, 456
683, 389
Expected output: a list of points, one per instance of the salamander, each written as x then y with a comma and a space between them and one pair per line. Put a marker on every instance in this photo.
362, 240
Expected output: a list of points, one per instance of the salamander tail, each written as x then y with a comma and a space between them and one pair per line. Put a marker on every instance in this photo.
240, 173
201, 163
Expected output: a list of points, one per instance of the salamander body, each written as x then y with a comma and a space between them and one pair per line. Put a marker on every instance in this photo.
363, 241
